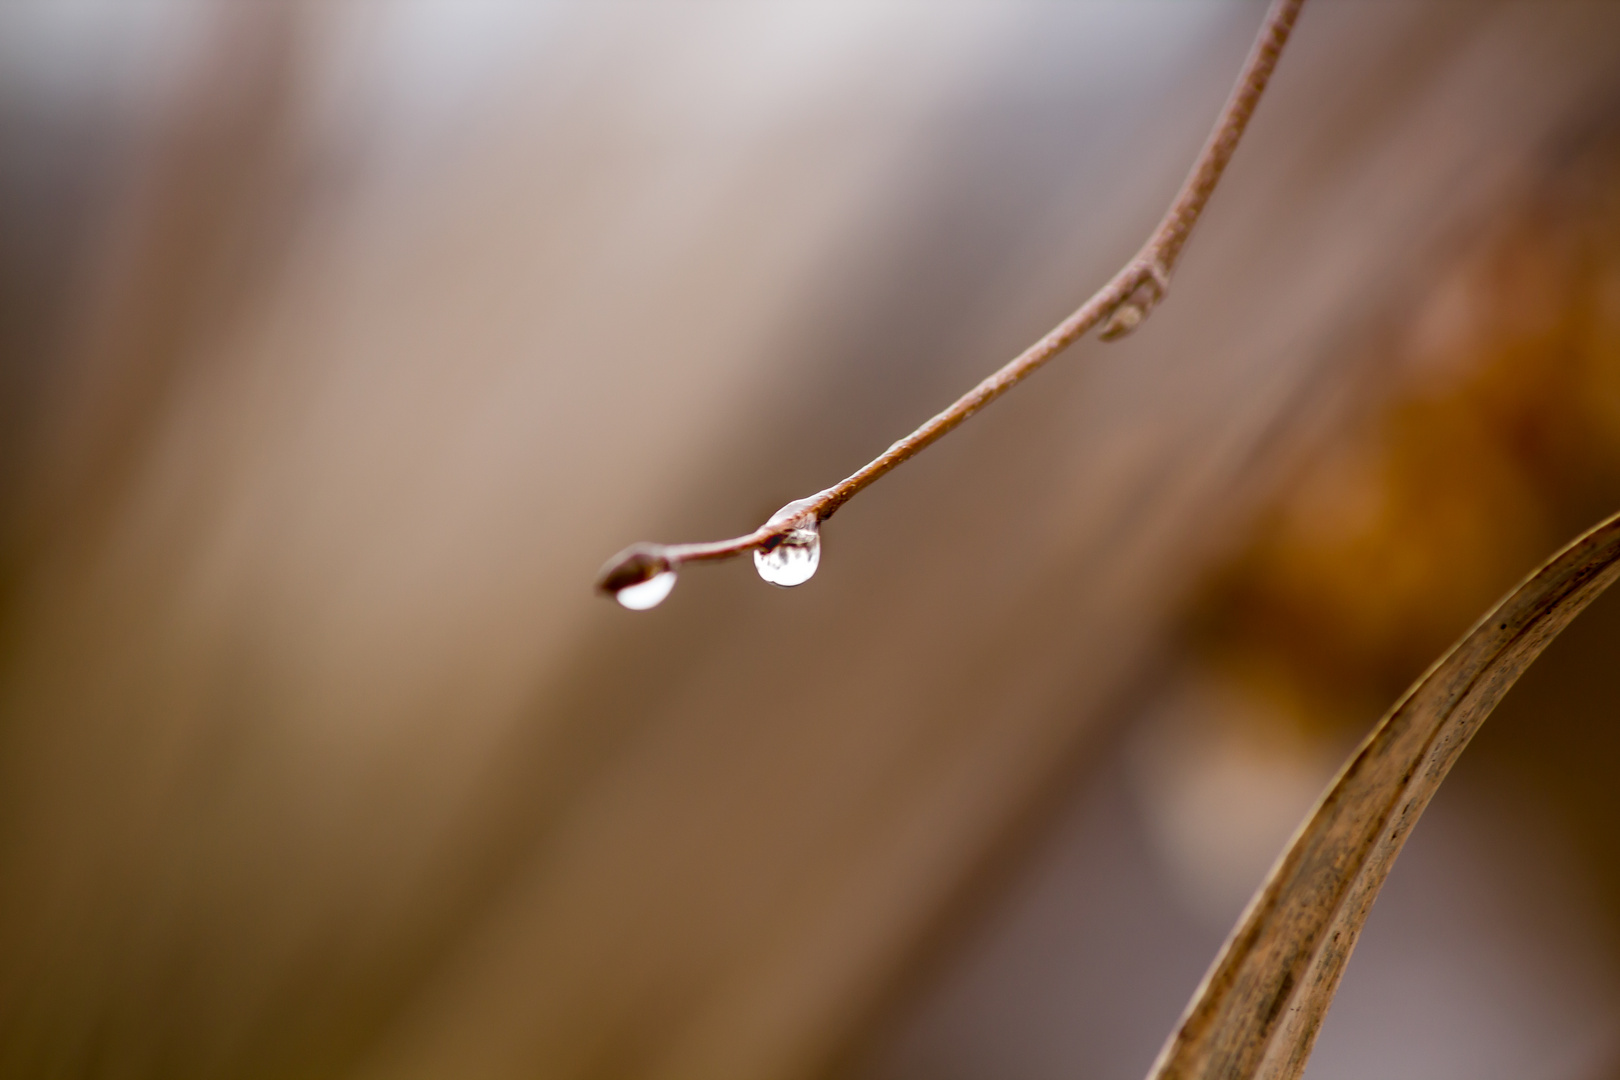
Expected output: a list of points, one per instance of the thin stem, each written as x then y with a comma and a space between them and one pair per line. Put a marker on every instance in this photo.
1119, 306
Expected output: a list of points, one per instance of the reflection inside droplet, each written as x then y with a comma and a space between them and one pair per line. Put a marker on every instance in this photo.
646, 594
792, 559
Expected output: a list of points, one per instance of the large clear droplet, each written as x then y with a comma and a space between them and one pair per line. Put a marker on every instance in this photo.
646, 594
792, 558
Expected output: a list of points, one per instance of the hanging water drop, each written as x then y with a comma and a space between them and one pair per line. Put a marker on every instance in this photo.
792, 558
647, 594
639, 577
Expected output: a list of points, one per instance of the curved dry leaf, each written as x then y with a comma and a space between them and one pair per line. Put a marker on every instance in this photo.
1258, 1010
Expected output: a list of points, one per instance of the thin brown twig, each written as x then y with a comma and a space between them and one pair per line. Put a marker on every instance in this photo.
1119, 306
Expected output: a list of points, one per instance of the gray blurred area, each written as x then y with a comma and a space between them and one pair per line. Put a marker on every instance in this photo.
340, 343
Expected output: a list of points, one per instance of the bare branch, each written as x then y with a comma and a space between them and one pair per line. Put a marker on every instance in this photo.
1119, 307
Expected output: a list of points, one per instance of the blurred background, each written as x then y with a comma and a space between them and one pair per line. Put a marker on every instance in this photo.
341, 342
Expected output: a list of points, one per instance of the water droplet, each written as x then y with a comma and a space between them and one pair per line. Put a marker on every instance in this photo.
792, 558
647, 594
639, 577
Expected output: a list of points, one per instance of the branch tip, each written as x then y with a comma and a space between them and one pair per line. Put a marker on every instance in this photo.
634, 565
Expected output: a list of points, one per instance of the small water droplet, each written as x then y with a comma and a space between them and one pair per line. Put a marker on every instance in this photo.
792, 558
647, 594
639, 577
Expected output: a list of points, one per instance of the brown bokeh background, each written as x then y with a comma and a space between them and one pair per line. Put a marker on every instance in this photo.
341, 342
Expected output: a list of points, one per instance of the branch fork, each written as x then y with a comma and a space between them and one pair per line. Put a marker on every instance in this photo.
1151, 282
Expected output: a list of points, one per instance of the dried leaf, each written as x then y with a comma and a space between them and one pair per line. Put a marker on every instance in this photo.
1259, 1008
